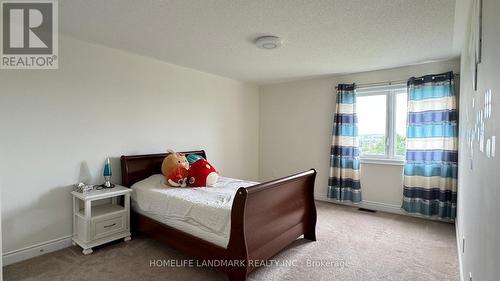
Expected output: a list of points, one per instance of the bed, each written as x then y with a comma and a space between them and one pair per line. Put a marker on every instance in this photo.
263, 218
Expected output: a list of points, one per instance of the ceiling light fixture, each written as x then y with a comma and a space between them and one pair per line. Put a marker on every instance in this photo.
268, 42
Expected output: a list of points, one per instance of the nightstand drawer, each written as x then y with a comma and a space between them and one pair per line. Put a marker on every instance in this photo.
105, 226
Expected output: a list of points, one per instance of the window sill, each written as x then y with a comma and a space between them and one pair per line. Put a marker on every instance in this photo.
382, 161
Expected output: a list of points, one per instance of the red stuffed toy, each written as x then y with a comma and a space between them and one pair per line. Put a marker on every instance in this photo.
201, 173
177, 177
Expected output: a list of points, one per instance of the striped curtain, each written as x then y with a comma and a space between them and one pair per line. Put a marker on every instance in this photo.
343, 183
430, 172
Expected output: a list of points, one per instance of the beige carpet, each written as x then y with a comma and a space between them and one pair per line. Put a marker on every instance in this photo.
352, 245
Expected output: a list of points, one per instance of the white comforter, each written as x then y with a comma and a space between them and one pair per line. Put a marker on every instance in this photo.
207, 208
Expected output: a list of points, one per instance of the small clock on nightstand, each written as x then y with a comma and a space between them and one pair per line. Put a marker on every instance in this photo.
101, 216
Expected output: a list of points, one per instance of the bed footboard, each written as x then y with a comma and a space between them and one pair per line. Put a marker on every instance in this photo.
269, 216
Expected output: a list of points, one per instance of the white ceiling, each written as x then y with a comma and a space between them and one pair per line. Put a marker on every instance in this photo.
320, 37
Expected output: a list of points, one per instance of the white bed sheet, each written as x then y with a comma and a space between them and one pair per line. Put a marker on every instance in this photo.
204, 212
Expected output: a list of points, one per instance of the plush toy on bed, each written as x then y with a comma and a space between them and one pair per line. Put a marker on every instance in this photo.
201, 173
193, 158
178, 177
175, 169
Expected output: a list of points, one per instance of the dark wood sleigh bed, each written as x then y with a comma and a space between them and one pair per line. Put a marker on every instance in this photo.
265, 218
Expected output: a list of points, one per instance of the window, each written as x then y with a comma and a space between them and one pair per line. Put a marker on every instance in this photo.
382, 113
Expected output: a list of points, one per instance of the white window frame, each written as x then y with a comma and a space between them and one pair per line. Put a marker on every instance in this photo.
390, 91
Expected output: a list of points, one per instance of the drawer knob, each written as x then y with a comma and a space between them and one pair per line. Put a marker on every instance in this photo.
106, 226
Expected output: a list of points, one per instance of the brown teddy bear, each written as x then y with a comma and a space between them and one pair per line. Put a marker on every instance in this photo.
174, 168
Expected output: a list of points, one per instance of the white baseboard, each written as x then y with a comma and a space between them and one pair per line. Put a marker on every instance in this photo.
376, 206
382, 207
459, 251
36, 250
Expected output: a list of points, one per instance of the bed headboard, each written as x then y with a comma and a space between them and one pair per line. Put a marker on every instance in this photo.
138, 167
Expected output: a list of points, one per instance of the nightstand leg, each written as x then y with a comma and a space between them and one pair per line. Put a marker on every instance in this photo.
87, 251
73, 243
128, 238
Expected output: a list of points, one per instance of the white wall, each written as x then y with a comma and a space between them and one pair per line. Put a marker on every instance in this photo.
104, 102
296, 124
479, 187
1, 271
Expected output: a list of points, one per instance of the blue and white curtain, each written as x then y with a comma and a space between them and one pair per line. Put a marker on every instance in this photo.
430, 172
343, 183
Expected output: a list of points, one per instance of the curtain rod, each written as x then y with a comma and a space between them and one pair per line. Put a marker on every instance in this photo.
389, 83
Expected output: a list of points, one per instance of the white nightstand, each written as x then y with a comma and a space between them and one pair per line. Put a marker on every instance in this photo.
102, 222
